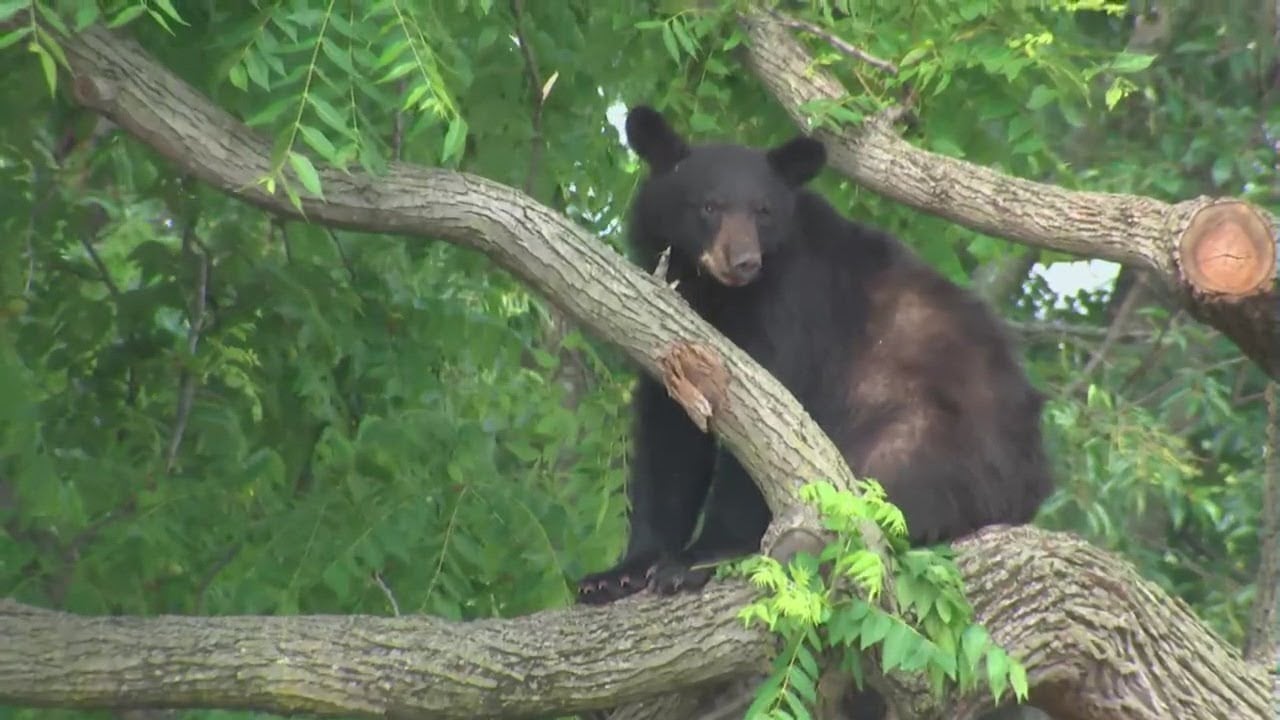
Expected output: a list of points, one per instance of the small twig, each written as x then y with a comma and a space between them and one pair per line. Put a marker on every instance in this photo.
996, 281
112, 288
535, 89
1079, 331
391, 597
276, 228
195, 324
836, 42
1157, 349
1164, 387
660, 271
664, 261
1127, 307
87, 244
203, 588
342, 254
397, 124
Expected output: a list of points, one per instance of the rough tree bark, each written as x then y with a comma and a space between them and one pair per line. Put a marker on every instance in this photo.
1217, 254
1097, 640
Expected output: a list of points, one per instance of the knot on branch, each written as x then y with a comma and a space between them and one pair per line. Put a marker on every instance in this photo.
93, 91
696, 377
1228, 250
795, 530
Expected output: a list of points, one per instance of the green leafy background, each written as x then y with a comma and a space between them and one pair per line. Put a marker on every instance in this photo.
380, 424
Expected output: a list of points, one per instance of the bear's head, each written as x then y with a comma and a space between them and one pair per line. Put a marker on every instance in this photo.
724, 207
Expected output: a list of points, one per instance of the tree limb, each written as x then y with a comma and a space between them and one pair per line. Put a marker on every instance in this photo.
1099, 642
555, 662
589, 281
1217, 254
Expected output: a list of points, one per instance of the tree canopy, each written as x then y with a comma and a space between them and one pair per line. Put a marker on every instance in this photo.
319, 309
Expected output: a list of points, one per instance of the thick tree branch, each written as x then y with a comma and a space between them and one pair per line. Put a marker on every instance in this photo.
1218, 254
552, 663
588, 280
1099, 641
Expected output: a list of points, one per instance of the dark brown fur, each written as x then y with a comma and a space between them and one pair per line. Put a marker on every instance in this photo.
909, 374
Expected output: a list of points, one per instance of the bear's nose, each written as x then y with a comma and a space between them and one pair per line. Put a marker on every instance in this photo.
746, 265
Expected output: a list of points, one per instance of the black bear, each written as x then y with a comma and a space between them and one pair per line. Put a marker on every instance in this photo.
909, 374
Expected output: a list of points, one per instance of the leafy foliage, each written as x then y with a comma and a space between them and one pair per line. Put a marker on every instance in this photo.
209, 410
838, 614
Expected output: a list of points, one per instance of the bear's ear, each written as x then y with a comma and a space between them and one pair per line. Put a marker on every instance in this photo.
798, 160
655, 141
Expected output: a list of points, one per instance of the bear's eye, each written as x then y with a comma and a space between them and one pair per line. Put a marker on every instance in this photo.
763, 210
709, 208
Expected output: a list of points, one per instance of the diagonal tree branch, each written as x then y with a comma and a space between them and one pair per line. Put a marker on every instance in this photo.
1219, 255
587, 279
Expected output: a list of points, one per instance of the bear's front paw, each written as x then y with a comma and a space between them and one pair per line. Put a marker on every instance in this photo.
675, 576
626, 578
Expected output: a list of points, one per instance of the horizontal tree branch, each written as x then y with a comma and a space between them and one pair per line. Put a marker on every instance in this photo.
551, 663
1099, 641
1223, 269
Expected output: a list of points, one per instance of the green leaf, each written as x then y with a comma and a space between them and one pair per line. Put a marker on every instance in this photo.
257, 70
682, 35
48, 66
1018, 680
14, 36
1127, 62
874, 628
1041, 96
319, 143
454, 140
238, 77
127, 16
8, 8
913, 55
808, 663
167, 7
997, 672
338, 56
804, 685
669, 40
973, 641
337, 121
307, 174
798, 710
896, 645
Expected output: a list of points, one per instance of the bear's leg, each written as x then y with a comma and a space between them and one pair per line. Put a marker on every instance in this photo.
947, 490
671, 464
735, 520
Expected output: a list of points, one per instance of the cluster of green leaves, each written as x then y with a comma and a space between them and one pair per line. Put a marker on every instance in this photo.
372, 421
65, 16
1158, 456
410, 428
830, 608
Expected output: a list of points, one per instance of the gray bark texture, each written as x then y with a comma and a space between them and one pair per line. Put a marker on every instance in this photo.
1238, 296
1099, 642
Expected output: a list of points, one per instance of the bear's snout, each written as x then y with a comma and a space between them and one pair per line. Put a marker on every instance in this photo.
734, 258
745, 264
